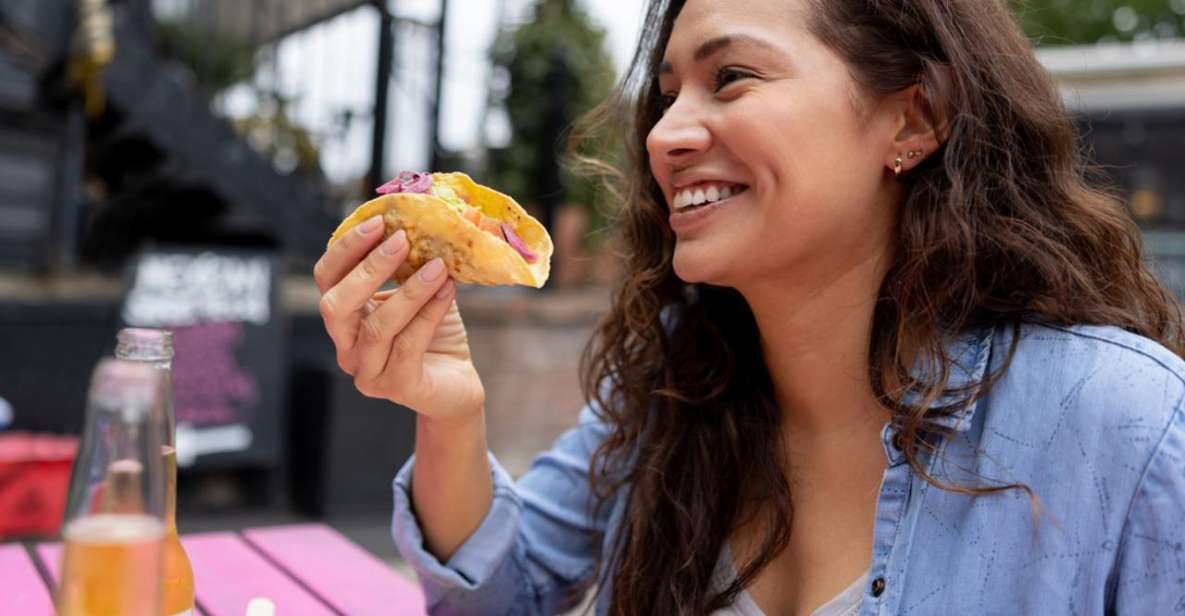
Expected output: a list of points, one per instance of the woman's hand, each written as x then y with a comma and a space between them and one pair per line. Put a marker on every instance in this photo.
408, 345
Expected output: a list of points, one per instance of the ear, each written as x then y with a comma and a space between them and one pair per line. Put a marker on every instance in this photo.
919, 130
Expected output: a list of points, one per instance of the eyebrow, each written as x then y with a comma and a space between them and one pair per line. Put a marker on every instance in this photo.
711, 46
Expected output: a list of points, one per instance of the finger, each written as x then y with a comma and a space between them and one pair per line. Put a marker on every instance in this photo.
377, 331
341, 257
340, 306
413, 341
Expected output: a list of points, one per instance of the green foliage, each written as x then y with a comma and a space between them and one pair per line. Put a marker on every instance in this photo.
273, 133
219, 61
528, 55
216, 60
1074, 22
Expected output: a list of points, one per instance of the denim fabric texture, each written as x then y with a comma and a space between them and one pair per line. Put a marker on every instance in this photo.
1089, 417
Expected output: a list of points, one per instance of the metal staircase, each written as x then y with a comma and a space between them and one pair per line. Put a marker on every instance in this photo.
175, 160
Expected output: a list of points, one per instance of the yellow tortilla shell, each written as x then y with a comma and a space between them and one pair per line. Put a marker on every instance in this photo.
471, 254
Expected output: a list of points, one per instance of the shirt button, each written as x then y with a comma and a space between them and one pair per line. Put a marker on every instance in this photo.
878, 586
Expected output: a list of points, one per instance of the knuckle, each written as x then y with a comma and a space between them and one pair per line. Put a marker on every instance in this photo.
319, 273
369, 387
369, 268
327, 306
370, 330
414, 291
423, 317
432, 312
345, 362
401, 348
363, 385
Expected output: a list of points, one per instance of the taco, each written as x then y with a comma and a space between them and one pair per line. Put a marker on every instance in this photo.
482, 235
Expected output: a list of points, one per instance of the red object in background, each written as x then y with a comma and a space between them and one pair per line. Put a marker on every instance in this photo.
34, 476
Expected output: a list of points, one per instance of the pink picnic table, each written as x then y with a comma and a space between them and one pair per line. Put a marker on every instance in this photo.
305, 569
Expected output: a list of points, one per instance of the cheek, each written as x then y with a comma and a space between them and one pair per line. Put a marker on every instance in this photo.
805, 144
814, 170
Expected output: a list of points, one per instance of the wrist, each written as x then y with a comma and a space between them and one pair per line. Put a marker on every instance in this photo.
453, 425
445, 445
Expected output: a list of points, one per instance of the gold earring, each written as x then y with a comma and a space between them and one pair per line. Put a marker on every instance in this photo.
897, 166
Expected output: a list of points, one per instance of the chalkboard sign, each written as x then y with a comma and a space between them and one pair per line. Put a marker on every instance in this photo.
227, 371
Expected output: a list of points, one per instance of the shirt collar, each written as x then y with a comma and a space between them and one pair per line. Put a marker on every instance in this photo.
970, 352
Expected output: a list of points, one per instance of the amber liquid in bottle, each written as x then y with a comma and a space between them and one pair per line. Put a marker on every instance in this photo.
178, 574
110, 566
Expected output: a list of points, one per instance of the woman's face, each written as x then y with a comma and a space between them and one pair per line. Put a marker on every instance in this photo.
766, 119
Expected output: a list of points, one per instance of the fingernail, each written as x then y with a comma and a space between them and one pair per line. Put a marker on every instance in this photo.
394, 243
445, 289
371, 224
432, 270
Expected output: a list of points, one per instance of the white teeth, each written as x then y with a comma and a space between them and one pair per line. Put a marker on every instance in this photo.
688, 197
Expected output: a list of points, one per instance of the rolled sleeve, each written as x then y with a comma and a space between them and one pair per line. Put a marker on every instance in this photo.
474, 569
536, 546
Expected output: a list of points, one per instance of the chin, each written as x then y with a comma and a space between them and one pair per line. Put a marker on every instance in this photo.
699, 266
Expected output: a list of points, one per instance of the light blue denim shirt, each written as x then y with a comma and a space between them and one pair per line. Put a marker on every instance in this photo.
1089, 417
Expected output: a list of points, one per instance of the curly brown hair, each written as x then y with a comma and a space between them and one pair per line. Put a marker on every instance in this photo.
1005, 224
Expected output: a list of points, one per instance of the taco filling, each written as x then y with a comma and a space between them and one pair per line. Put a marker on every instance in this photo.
421, 183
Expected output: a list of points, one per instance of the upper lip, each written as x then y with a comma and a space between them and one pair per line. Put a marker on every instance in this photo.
683, 180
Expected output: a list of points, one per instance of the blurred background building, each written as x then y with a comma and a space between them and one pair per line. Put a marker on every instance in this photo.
1129, 101
171, 162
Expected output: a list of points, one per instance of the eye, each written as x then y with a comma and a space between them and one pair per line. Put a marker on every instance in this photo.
729, 75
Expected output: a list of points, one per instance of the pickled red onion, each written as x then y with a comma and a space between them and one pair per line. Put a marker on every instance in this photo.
407, 182
518, 244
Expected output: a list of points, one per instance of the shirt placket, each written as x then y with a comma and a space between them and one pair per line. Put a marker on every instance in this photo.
891, 507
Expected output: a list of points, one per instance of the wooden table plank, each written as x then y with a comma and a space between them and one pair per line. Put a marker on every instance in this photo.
24, 592
229, 573
351, 579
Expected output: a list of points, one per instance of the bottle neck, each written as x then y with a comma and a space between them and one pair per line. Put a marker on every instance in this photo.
141, 344
160, 357
156, 361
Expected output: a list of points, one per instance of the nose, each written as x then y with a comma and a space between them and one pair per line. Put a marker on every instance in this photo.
679, 135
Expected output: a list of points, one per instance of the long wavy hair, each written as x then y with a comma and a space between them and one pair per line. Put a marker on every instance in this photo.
1002, 225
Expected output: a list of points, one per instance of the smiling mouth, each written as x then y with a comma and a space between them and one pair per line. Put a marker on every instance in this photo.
705, 193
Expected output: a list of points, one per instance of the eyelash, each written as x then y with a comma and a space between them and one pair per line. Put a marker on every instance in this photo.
729, 71
719, 83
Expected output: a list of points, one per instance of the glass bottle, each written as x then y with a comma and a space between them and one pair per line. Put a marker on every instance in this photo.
155, 348
114, 523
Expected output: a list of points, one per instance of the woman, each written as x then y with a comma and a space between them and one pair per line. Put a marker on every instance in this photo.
899, 359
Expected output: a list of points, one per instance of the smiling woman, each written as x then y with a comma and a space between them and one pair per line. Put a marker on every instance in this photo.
880, 347
912, 194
